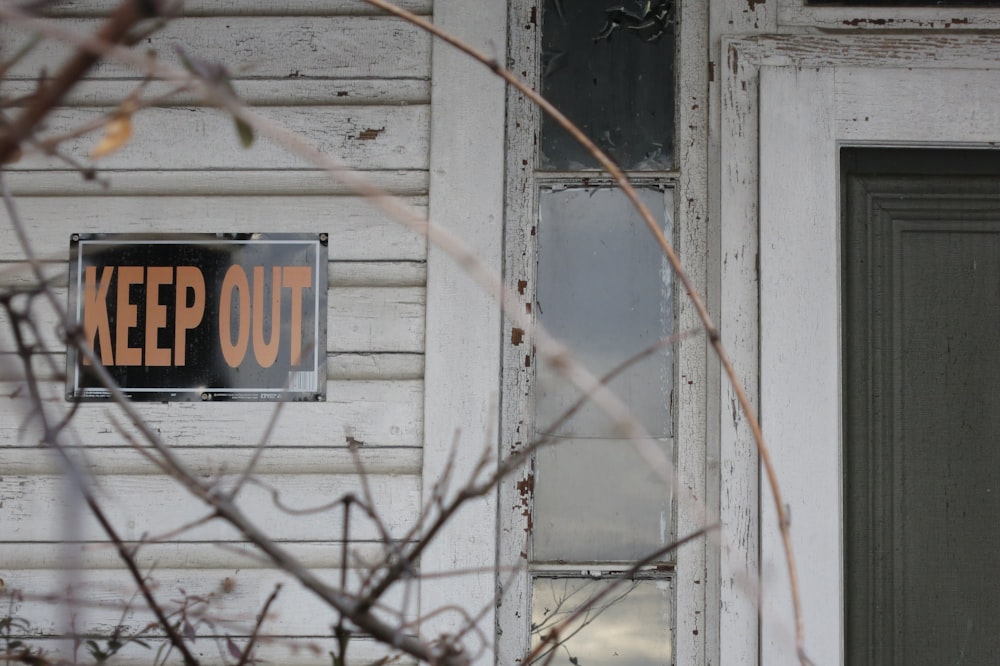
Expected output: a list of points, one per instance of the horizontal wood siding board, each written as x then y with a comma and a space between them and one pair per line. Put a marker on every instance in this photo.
193, 182
244, 7
266, 47
182, 555
104, 594
387, 366
376, 413
358, 231
151, 507
359, 319
316, 91
369, 137
340, 274
336, 458
339, 366
290, 651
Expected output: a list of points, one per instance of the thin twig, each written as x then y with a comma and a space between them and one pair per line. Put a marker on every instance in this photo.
245, 657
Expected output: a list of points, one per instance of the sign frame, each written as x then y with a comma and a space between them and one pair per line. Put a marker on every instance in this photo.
197, 316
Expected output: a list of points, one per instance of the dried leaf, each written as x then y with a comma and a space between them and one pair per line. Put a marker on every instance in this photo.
234, 649
117, 133
245, 132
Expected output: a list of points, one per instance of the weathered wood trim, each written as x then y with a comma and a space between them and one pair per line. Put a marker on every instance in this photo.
463, 322
738, 252
517, 428
845, 73
799, 352
693, 614
797, 13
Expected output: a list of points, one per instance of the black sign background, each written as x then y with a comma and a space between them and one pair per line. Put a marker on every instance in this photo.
206, 374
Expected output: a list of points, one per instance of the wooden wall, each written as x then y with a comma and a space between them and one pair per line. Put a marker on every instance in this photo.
356, 85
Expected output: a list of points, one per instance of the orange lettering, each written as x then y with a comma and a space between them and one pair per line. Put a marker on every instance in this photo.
297, 278
127, 315
95, 311
266, 353
156, 314
236, 278
189, 279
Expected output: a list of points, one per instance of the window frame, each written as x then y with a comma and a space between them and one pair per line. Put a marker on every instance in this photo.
692, 578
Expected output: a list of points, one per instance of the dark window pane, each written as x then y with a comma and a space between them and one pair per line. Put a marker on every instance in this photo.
609, 66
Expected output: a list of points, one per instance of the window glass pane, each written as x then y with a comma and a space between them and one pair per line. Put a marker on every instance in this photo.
609, 66
631, 626
605, 290
598, 500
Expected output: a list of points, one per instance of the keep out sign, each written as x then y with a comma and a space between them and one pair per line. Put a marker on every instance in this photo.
199, 316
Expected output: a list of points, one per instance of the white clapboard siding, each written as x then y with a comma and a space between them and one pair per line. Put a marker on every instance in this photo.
339, 366
240, 183
369, 137
254, 92
357, 230
144, 506
259, 47
355, 84
174, 555
208, 462
359, 319
18, 274
374, 413
242, 7
293, 651
235, 597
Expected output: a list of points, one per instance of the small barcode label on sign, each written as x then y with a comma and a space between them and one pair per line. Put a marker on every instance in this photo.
302, 381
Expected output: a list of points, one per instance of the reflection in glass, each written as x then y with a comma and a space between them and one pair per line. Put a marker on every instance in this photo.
597, 500
609, 66
604, 290
630, 626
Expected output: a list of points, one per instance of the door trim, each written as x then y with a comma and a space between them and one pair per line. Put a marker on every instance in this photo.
788, 104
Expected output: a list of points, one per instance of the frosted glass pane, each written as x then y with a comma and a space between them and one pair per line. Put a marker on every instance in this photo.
605, 290
629, 627
597, 500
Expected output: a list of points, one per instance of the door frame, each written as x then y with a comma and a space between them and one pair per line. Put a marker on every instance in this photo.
788, 104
